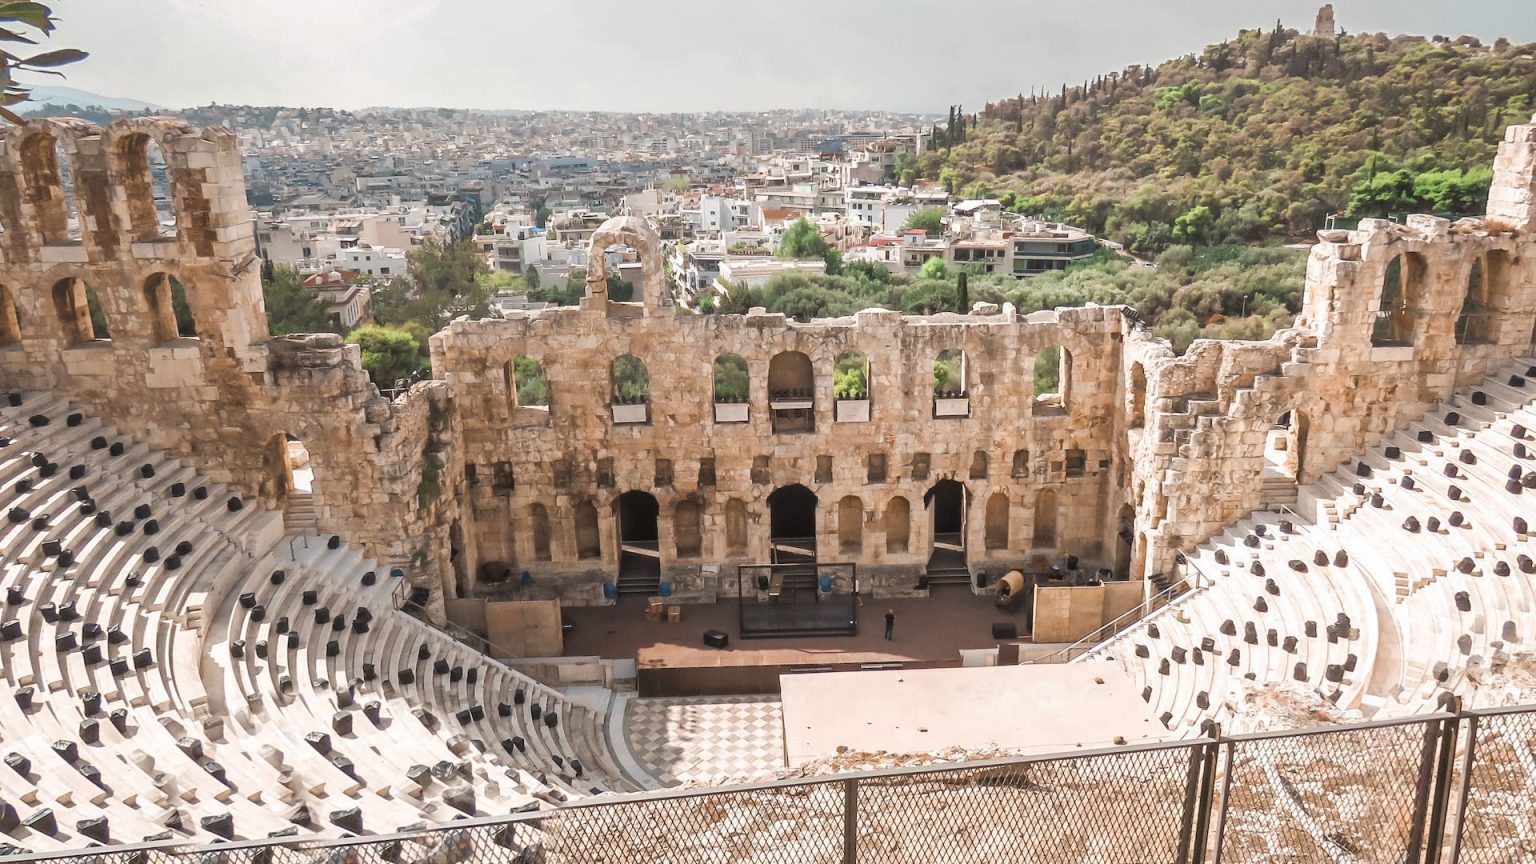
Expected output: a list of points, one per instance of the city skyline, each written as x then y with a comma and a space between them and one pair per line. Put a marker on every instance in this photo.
871, 55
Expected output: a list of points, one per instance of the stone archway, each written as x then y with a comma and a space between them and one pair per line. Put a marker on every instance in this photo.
1284, 459
792, 525
946, 502
635, 520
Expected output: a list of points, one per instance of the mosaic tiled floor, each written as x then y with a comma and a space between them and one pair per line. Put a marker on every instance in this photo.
709, 739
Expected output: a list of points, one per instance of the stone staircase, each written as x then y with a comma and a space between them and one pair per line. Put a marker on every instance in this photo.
299, 516
639, 570
1278, 492
1366, 608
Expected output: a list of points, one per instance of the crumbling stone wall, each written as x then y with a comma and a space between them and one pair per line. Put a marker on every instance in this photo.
1199, 464
1150, 453
224, 399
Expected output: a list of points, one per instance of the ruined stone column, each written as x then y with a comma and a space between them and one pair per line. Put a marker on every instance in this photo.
1512, 198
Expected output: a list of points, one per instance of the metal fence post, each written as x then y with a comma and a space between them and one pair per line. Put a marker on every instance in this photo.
1434, 842
1203, 810
1197, 802
1468, 763
1424, 794
850, 821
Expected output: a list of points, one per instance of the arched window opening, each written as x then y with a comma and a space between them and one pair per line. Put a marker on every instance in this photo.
949, 374
979, 464
10, 323
164, 196
898, 525
732, 382
950, 397
588, 542
146, 182
686, 531
1472, 307
792, 392
540, 525
997, 521
98, 314
850, 387
1487, 297
528, 386
1053, 380
850, 526
81, 318
792, 525
1045, 518
735, 527
73, 216
1136, 405
165, 301
631, 390
42, 174
732, 389
626, 275
1020, 463
1401, 288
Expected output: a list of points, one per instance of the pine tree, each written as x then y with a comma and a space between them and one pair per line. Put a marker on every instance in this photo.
962, 293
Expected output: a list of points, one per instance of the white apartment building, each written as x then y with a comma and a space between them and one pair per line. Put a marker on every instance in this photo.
718, 214
520, 247
378, 262
755, 272
883, 208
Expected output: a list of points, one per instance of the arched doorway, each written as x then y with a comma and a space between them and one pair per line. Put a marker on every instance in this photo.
456, 559
639, 549
792, 525
1125, 540
1284, 451
946, 504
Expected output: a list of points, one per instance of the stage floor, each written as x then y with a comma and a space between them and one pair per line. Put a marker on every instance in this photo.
932, 628
1023, 709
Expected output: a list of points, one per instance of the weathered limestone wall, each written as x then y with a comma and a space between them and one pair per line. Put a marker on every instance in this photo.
1150, 454
574, 454
224, 399
1198, 466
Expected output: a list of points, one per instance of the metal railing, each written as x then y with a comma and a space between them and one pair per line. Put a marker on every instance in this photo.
457, 632
1387, 791
1125, 620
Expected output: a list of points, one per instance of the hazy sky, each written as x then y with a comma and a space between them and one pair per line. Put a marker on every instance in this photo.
675, 55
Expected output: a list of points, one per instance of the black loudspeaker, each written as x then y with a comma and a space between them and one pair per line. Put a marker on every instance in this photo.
716, 638
1005, 630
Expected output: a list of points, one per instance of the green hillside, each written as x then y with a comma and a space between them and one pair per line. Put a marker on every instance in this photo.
1257, 139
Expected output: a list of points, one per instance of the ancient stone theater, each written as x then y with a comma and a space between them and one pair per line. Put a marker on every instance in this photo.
246, 595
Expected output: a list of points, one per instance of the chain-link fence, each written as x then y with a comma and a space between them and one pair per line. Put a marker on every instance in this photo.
1351, 794
1496, 820
1442, 788
1122, 806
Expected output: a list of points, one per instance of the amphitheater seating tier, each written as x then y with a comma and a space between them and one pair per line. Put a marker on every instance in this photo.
175, 668
1415, 580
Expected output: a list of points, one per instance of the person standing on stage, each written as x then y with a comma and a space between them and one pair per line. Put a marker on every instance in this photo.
890, 623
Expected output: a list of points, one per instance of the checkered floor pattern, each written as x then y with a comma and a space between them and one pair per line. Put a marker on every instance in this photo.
708, 739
